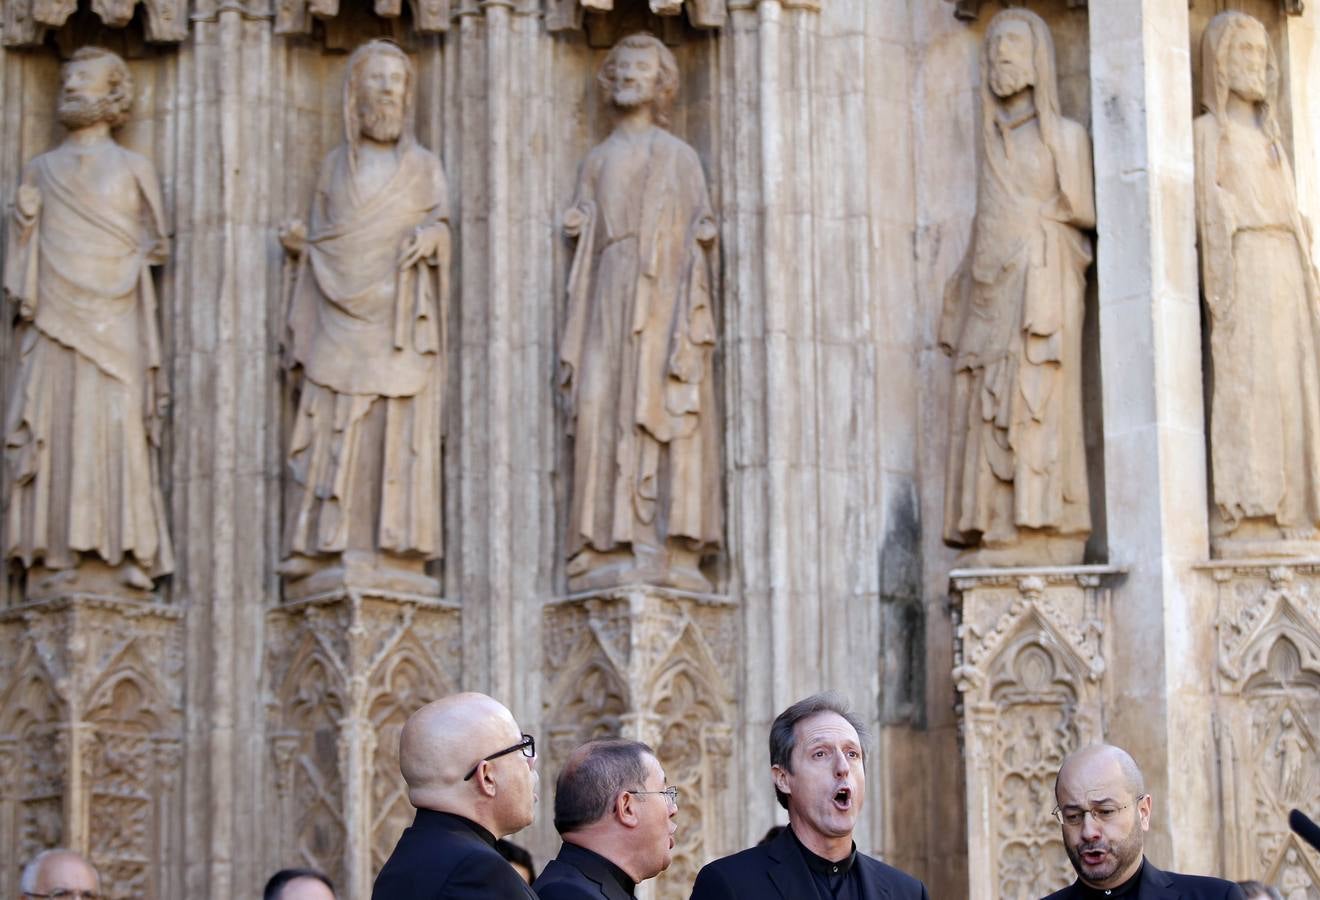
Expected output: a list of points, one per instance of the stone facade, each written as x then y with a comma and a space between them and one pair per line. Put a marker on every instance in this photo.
197, 731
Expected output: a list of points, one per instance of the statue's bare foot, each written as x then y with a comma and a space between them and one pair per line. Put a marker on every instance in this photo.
297, 566
132, 575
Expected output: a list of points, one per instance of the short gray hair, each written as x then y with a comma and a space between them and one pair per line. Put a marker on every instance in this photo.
593, 777
783, 733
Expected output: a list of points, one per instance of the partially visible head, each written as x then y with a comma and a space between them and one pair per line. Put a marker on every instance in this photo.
519, 858
1236, 58
1254, 890
378, 92
1105, 813
1010, 49
96, 86
299, 884
445, 740
817, 761
640, 70
610, 798
59, 870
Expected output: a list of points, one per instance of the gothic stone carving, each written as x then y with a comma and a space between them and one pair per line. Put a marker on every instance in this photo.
636, 358
1016, 485
365, 345
1263, 305
91, 736
344, 672
26, 22
1029, 665
656, 666
296, 16
1268, 641
565, 15
84, 510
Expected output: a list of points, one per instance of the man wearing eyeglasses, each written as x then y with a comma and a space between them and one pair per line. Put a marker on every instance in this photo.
59, 875
471, 774
616, 817
818, 765
1104, 810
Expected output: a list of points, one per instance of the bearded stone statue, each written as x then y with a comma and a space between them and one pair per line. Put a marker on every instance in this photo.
84, 510
1261, 301
1016, 483
636, 358
364, 346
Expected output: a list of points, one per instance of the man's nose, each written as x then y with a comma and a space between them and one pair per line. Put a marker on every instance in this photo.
841, 763
1090, 827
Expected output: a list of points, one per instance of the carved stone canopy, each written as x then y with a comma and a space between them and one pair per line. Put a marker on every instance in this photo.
970, 10
25, 23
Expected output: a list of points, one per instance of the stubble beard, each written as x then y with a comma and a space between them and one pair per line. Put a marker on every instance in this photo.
75, 113
1121, 855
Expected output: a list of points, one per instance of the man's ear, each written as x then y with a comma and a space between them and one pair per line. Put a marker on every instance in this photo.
625, 808
1143, 812
780, 776
485, 778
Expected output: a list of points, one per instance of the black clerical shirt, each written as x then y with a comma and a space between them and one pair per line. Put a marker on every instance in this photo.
478, 830
833, 880
1130, 889
625, 882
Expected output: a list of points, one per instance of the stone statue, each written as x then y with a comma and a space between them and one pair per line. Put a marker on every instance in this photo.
635, 364
1261, 300
82, 437
365, 343
1016, 488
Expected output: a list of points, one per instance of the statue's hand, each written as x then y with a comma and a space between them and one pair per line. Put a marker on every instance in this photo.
427, 242
27, 204
706, 231
293, 237
574, 221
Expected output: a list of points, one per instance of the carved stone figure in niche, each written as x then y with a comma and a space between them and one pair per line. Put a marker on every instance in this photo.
364, 346
635, 365
1016, 491
1261, 299
84, 509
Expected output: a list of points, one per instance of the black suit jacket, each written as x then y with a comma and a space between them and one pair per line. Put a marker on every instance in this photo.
444, 857
778, 870
577, 874
1157, 885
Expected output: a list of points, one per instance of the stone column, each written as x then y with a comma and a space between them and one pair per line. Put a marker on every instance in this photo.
1302, 65
1154, 442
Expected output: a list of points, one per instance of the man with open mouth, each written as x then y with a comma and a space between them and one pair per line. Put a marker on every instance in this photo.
1104, 809
817, 763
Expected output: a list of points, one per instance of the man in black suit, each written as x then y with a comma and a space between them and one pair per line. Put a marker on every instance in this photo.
817, 761
471, 773
616, 816
1104, 810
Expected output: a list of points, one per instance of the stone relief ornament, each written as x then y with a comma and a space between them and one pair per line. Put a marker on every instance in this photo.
636, 359
84, 510
364, 347
1016, 482
1261, 300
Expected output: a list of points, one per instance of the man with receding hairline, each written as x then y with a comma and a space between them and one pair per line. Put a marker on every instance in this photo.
1104, 809
54, 871
471, 774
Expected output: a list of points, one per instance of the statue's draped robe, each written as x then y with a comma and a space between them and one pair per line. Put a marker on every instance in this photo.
1014, 320
637, 350
83, 427
1261, 296
364, 456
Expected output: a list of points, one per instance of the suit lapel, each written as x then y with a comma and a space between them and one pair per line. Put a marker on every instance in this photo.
591, 867
788, 870
873, 886
1157, 885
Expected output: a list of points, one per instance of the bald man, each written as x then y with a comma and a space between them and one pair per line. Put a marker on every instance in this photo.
1104, 810
52, 871
471, 774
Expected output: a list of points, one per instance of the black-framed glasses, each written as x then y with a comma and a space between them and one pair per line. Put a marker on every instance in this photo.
527, 745
62, 894
671, 794
1073, 816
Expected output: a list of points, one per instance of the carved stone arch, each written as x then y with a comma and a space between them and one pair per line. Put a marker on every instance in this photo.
1286, 639
127, 695
1034, 658
34, 738
588, 699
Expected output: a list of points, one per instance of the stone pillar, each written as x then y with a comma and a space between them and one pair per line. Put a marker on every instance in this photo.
1030, 662
1302, 67
345, 671
659, 666
1154, 441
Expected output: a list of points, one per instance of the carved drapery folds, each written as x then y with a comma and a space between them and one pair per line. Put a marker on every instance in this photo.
1268, 678
1029, 664
91, 740
655, 666
343, 674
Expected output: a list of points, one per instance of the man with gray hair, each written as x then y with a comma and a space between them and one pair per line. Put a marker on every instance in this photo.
616, 816
817, 763
1104, 809
60, 873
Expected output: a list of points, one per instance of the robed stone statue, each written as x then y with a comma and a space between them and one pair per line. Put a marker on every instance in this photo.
84, 510
1016, 485
364, 345
1262, 304
636, 359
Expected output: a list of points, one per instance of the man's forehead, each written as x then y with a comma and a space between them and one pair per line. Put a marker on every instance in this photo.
1093, 778
382, 59
826, 727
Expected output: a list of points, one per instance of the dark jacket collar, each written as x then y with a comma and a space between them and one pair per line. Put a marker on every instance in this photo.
613, 881
1155, 884
433, 819
788, 870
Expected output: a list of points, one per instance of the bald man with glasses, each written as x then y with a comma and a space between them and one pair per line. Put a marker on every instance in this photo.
471, 774
59, 875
